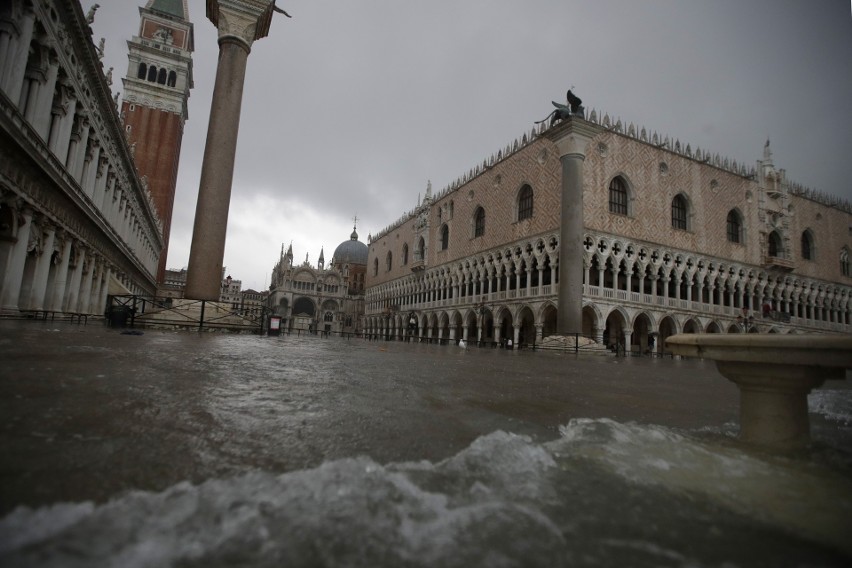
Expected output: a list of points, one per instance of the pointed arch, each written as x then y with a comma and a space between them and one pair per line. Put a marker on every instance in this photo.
808, 248
680, 212
735, 226
525, 202
620, 198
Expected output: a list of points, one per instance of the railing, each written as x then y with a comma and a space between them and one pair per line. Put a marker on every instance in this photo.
153, 311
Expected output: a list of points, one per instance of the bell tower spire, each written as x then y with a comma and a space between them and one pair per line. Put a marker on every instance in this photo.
154, 108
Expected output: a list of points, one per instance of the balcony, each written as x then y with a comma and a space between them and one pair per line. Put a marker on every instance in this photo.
778, 263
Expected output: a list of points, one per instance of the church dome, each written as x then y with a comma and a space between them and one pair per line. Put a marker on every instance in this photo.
352, 251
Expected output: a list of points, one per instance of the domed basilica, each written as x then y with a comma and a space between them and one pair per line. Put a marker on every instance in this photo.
319, 299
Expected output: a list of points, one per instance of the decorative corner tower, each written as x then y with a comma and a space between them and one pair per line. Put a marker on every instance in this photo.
154, 109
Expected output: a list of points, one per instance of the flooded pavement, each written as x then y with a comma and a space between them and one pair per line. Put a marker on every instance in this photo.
207, 449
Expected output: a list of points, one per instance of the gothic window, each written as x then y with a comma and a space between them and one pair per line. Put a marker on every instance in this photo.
375, 266
161, 77
774, 244
143, 71
679, 210
618, 196
404, 254
807, 245
525, 203
420, 251
844, 262
389, 261
479, 222
172, 79
152, 74
735, 226
445, 237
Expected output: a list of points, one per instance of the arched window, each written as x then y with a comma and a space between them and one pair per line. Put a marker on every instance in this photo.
774, 244
172, 79
161, 77
329, 316
420, 251
152, 74
375, 266
679, 212
844, 262
404, 254
143, 71
735, 226
525, 203
445, 237
389, 261
807, 245
479, 222
618, 196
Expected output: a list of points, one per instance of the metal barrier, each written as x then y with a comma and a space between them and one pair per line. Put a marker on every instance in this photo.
154, 311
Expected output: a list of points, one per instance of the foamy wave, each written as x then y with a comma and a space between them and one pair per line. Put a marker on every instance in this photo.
503, 501
351, 512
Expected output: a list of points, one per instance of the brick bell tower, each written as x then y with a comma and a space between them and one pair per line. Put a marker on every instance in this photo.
154, 108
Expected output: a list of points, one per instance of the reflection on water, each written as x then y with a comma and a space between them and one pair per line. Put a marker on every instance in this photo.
197, 450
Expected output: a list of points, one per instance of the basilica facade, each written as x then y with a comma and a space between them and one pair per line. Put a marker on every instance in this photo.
675, 240
320, 299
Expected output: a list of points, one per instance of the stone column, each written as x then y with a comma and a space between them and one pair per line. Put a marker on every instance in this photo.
15, 266
571, 137
86, 292
61, 278
104, 292
240, 23
14, 61
94, 306
76, 279
40, 120
42, 270
628, 340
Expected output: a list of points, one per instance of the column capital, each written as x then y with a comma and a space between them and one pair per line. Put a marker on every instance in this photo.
572, 135
243, 21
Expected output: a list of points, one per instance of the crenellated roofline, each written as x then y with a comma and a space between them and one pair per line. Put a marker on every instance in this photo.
630, 131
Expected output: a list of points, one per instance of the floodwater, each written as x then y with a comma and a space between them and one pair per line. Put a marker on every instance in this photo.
204, 449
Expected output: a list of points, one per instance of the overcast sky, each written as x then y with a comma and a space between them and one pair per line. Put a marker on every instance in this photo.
351, 106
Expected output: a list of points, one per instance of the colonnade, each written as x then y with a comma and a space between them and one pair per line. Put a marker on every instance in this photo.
617, 274
48, 270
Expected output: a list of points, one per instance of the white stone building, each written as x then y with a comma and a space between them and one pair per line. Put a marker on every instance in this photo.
76, 221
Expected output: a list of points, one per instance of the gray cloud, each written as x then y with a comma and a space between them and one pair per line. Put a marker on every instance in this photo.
350, 107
